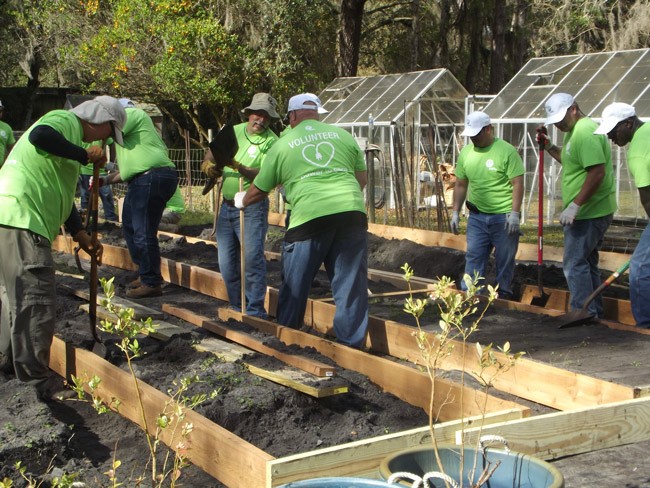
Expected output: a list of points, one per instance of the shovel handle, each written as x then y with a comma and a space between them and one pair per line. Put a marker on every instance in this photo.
94, 203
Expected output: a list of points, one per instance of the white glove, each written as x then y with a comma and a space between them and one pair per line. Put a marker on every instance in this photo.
568, 216
455, 222
101, 180
512, 223
239, 199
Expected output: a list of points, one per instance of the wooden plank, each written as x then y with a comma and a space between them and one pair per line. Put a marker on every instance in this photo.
220, 453
141, 312
613, 308
163, 330
408, 384
362, 458
291, 378
561, 389
314, 367
568, 433
526, 252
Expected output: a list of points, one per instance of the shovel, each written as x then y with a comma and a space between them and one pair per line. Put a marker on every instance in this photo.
579, 317
542, 298
223, 147
98, 348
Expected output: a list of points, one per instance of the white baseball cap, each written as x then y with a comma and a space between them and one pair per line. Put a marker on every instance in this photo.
556, 107
306, 101
475, 122
612, 115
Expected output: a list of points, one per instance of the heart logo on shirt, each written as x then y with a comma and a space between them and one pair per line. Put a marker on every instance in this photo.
320, 154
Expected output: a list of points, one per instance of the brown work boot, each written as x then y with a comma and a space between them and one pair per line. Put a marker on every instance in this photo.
144, 291
134, 284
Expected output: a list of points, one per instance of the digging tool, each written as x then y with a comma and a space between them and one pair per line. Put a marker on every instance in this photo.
217, 209
242, 251
98, 348
542, 299
579, 317
223, 148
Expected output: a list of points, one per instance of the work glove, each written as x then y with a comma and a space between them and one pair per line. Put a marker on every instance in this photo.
211, 169
568, 216
239, 199
102, 181
512, 223
96, 154
85, 242
542, 137
455, 222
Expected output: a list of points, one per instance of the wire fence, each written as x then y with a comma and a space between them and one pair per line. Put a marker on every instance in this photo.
191, 180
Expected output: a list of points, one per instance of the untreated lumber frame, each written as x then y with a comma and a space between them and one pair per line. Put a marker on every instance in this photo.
217, 451
312, 366
627, 422
397, 340
409, 384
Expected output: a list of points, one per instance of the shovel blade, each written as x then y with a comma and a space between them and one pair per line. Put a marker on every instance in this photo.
575, 318
100, 349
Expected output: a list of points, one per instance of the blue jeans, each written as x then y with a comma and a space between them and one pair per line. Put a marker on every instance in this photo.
484, 233
640, 280
144, 203
256, 223
582, 240
105, 194
344, 251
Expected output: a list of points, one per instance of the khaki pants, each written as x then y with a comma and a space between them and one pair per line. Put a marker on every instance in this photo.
28, 297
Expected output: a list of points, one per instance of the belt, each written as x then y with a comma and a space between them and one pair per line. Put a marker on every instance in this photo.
474, 209
230, 203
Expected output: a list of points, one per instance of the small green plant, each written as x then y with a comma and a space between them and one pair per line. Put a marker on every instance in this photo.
173, 416
460, 315
65, 481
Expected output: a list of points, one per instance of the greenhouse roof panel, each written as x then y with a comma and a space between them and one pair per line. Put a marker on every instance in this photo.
350, 101
595, 80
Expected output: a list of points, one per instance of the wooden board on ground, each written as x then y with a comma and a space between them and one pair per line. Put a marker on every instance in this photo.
141, 312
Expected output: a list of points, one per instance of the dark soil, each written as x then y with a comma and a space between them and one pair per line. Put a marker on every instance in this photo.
70, 437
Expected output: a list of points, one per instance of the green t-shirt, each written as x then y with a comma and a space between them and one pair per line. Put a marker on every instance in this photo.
251, 153
143, 147
316, 163
489, 171
6, 139
638, 156
36, 188
581, 150
176, 203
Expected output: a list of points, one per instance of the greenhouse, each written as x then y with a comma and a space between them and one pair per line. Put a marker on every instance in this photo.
400, 117
595, 80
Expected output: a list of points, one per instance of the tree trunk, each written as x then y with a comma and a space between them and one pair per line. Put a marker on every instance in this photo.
415, 34
351, 19
498, 55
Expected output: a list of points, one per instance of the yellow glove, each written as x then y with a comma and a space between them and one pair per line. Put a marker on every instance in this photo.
210, 169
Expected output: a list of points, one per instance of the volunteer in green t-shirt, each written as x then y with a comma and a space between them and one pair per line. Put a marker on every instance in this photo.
152, 180
588, 196
323, 171
622, 126
489, 173
254, 138
37, 189
173, 212
105, 192
7, 140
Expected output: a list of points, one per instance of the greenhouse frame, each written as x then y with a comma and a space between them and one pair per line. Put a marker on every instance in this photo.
403, 116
